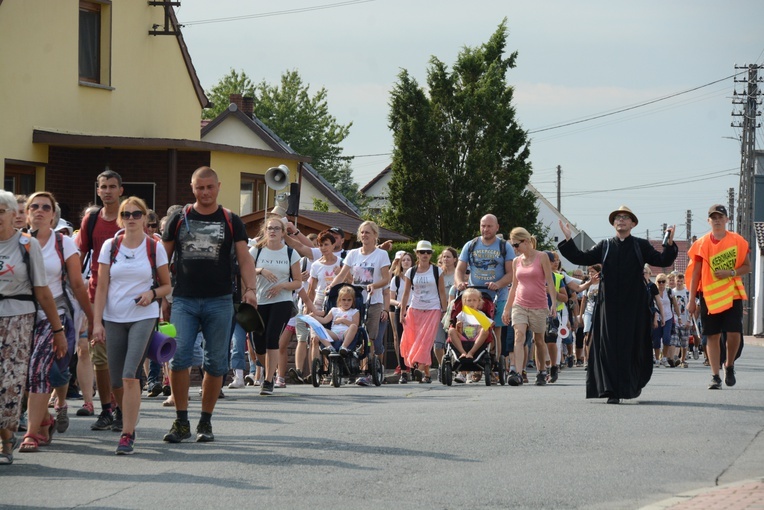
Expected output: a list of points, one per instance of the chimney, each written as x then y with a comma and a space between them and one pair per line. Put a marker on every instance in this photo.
236, 99
248, 106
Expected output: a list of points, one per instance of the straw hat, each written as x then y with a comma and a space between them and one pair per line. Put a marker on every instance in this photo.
620, 210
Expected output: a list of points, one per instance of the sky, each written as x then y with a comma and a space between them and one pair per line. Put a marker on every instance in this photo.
576, 60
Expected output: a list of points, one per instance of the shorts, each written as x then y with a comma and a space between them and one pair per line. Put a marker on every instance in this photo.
568, 340
440, 338
729, 321
587, 322
497, 314
98, 356
276, 317
302, 330
662, 334
534, 318
683, 335
508, 345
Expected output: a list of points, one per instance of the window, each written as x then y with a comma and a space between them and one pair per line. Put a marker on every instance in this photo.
19, 179
95, 43
253, 195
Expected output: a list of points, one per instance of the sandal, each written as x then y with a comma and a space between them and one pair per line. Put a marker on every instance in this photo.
51, 424
31, 443
170, 402
7, 458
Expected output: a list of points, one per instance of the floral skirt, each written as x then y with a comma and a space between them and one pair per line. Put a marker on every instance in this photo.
15, 349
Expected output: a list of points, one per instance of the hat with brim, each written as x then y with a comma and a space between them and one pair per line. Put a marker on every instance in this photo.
623, 210
249, 319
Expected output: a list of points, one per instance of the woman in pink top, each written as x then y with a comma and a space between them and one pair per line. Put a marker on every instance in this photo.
527, 305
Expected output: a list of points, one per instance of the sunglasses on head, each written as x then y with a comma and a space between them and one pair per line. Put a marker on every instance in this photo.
425, 252
44, 207
135, 214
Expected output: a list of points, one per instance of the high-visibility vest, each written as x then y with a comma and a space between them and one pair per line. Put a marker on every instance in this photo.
728, 253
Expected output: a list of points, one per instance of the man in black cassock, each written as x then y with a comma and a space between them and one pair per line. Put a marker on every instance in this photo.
620, 354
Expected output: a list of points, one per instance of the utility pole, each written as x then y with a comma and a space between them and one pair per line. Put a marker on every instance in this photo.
749, 102
559, 181
731, 209
689, 224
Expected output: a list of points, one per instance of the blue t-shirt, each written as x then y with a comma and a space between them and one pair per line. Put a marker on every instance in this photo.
486, 264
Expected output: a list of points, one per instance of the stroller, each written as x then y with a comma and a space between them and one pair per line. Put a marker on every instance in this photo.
337, 366
484, 359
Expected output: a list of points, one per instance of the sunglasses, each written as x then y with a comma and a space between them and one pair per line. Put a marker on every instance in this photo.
425, 252
44, 207
126, 215
661, 281
516, 245
153, 225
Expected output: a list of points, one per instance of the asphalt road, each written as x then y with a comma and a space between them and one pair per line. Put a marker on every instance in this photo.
417, 446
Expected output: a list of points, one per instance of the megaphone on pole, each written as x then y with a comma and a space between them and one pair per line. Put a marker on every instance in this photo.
277, 177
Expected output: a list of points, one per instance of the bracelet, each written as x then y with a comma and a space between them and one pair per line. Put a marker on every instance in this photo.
57, 331
153, 291
734, 273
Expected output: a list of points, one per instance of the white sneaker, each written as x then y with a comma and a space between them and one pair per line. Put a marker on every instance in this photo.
236, 383
279, 383
664, 362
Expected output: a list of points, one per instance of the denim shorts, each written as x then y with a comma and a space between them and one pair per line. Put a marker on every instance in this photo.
214, 317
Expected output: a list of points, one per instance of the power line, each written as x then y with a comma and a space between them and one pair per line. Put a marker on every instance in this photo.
628, 108
274, 13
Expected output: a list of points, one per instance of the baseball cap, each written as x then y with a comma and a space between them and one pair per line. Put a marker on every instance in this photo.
337, 230
399, 254
717, 209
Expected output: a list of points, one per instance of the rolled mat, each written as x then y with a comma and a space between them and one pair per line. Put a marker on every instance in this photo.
161, 347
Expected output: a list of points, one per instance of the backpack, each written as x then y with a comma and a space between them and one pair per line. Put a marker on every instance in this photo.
290, 250
93, 215
435, 271
235, 271
473, 243
151, 250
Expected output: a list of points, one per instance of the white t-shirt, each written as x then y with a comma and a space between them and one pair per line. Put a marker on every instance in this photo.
682, 298
53, 263
668, 310
14, 277
324, 274
425, 295
591, 298
339, 313
367, 269
470, 325
275, 261
129, 277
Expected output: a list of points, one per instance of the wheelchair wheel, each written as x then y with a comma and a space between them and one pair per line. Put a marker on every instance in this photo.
315, 371
376, 372
334, 366
446, 373
502, 372
487, 371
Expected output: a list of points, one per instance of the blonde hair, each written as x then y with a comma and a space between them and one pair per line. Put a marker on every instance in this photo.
473, 292
373, 226
520, 234
137, 202
346, 290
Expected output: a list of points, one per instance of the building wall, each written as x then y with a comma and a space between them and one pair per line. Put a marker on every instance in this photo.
232, 132
152, 94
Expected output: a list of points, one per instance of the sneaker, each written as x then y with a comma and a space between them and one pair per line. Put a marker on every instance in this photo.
569, 360
179, 431
126, 442
426, 380
236, 383
579, 363
695, 354
554, 374
73, 393
23, 422
541, 379
404, 378
716, 383
86, 409
729, 376
266, 388
656, 362
363, 381
116, 425
279, 383
344, 352
104, 422
62, 419
397, 370
664, 361
525, 377
166, 390
249, 380
684, 364
514, 379
204, 432
155, 390
297, 375
460, 378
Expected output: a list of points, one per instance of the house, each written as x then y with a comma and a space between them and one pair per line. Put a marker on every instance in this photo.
133, 106
376, 191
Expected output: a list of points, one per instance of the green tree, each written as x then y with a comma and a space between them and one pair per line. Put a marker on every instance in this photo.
220, 94
300, 119
320, 205
459, 152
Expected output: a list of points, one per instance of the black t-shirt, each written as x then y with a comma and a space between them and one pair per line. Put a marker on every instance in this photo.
203, 252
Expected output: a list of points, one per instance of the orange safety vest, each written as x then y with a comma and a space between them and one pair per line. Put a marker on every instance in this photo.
729, 253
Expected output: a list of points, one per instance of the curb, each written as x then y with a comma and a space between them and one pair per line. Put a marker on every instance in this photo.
713, 496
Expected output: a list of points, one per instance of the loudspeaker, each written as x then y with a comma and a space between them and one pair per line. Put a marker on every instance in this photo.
294, 199
277, 177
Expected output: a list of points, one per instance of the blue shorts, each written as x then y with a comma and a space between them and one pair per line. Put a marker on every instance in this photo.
214, 317
663, 334
497, 313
